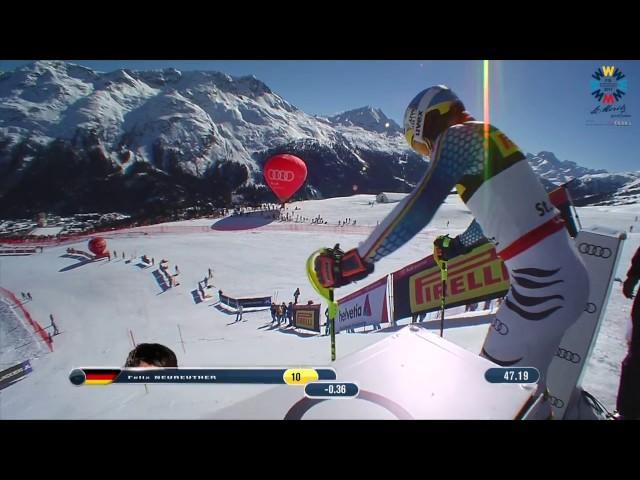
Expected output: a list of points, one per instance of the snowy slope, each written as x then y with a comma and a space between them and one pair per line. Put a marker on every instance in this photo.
96, 305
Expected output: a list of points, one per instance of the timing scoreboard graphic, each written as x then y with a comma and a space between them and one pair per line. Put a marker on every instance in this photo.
318, 382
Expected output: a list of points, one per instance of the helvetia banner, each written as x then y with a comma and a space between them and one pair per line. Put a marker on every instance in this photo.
367, 306
479, 275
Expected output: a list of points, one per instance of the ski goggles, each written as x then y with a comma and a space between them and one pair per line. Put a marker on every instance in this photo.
423, 147
419, 136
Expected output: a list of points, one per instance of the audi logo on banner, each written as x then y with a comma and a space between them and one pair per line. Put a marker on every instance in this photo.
594, 250
568, 355
591, 308
281, 175
555, 401
500, 327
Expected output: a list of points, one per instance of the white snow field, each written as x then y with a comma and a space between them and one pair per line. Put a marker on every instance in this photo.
97, 304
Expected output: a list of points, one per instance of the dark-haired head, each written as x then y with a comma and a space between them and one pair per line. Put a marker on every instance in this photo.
151, 355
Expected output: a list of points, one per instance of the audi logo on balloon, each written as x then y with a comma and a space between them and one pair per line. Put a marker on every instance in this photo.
281, 175
594, 250
500, 327
591, 308
568, 355
285, 174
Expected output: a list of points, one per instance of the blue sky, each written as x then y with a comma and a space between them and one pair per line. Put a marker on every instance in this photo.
541, 105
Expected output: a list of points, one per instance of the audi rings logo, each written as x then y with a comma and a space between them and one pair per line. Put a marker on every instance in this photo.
591, 308
594, 250
500, 327
568, 355
281, 175
555, 402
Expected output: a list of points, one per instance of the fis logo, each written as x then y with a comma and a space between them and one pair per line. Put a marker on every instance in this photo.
608, 84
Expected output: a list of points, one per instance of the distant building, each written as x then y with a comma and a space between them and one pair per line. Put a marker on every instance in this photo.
390, 197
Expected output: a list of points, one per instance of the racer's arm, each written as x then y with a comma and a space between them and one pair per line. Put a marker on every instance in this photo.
415, 212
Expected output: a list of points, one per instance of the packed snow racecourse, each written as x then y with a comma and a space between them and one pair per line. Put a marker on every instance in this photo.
103, 307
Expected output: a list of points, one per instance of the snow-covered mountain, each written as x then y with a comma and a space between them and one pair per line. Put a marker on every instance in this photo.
369, 118
203, 125
547, 166
607, 189
588, 186
73, 139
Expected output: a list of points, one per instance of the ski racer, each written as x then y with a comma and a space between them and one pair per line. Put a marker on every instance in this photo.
549, 282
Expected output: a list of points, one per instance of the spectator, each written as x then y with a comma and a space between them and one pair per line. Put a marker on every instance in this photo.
239, 311
283, 313
274, 312
290, 314
29, 296
296, 294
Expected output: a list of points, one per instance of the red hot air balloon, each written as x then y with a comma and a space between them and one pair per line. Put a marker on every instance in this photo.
285, 174
98, 246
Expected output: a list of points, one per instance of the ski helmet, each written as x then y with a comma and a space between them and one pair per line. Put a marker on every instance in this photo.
422, 124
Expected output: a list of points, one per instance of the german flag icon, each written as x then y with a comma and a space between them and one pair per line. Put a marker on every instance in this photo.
93, 376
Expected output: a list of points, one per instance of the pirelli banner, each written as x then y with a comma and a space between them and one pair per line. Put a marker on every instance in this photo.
367, 306
307, 317
474, 277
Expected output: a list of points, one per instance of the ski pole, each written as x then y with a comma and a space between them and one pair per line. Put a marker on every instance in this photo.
443, 276
332, 326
